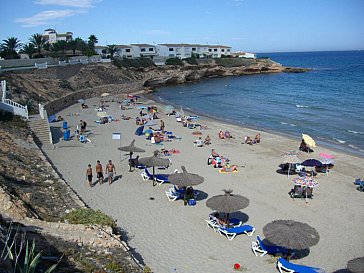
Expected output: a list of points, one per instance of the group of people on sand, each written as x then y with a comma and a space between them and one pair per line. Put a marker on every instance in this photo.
109, 171
218, 161
226, 134
248, 140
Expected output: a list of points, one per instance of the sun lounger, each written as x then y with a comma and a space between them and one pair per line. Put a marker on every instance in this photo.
259, 247
284, 266
173, 194
230, 233
213, 223
159, 178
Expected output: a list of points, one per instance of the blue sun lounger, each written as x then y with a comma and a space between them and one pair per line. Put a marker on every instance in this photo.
259, 247
230, 233
159, 178
284, 266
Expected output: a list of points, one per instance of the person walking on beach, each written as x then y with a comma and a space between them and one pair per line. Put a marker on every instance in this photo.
99, 172
110, 169
89, 175
162, 126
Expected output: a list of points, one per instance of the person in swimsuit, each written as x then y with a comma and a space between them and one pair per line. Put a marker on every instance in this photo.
89, 174
99, 172
110, 169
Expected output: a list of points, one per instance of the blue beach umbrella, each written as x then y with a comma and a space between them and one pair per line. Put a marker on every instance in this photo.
311, 163
142, 107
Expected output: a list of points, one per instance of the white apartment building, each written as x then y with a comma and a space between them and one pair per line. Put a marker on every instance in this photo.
52, 36
183, 51
217, 51
124, 51
143, 50
101, 50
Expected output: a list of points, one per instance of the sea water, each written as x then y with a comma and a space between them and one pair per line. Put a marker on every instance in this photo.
326, 103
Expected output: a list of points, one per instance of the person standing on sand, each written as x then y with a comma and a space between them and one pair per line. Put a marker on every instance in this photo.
89, 174
99, 172
162, 126
110, 169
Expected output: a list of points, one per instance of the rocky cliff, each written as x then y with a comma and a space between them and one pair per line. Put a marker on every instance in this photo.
33, 86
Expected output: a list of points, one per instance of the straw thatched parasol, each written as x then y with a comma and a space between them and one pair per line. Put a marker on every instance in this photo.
185, 179
356, 265
154, 161
131, 149
291, 234
227, 203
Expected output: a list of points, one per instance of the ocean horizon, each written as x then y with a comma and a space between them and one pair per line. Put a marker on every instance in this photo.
325, 103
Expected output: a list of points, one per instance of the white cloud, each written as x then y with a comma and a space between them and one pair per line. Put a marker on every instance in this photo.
156, 32
68, 3
45, 17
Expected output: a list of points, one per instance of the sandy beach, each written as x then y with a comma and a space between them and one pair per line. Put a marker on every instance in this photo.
171, 237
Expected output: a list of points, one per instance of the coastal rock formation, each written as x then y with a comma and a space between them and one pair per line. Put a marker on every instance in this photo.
34, 86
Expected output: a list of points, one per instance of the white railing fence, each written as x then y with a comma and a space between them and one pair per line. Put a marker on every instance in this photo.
15, 108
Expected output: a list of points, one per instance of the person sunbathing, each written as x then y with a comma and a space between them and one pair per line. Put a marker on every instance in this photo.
207, 140
214, 153
221, 135
248, 140
228, 168
257, 138
216, 217
228, 135
198, 142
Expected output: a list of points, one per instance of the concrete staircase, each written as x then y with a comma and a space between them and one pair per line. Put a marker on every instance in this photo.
40, 128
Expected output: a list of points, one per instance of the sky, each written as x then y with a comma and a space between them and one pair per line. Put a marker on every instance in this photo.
245, 25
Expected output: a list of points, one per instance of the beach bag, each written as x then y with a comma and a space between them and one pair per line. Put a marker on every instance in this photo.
209, 161
191, 202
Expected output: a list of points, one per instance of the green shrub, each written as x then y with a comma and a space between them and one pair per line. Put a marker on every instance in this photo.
137, 63
65, 84
174, 61
191, 60
234, 62
90, 217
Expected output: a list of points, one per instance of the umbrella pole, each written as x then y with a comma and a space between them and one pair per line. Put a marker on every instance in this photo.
130, 162
153, 177
306, 194
289, 168
227, 220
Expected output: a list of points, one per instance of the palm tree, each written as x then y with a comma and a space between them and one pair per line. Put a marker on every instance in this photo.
28, 49
74, 45
10, 47
111, 49
92, 40
38, 40
60, 46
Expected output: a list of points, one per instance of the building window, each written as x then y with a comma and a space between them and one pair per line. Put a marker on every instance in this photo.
228, 50
210, 49
142, 50
151, 49
171, 55
170, 49
215, 49
222, 50
127, 50
193, 49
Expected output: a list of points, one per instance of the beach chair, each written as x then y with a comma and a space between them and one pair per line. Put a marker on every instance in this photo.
214, 224
259, 247
285, 266
158, 178
173, 194
231, 233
